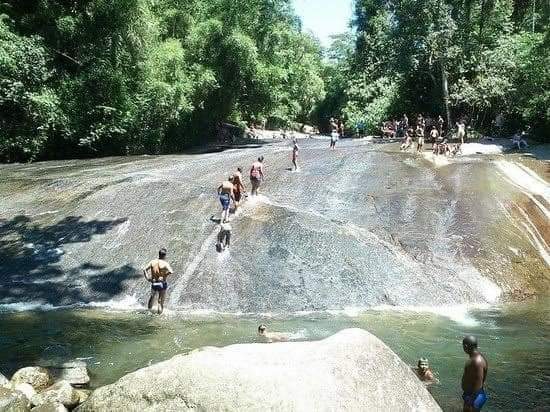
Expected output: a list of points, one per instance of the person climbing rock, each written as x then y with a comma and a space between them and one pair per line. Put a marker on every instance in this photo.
156, 272
475, 374
224, 237
226, 193
256, 175
424, 372
271, 337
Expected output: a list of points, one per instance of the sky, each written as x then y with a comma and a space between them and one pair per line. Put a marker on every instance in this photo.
324, 17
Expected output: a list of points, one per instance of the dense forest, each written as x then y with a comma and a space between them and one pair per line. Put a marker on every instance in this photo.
471, 60
112, 77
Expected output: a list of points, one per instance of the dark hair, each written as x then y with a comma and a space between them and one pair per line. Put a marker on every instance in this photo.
262, 327
162, 253
470, 342
260, 159
240, 169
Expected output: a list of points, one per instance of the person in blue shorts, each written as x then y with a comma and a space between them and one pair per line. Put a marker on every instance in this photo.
473, 379
226, 193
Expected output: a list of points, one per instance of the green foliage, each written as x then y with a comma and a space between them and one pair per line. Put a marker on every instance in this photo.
492, 56
113, 77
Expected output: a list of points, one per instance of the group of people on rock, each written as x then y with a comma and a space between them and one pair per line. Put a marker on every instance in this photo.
419, 133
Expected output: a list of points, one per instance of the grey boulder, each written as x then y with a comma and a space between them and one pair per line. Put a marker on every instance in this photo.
49, 407
13, 401
4, 382
39, 378
61, 392
75, 372
352, 370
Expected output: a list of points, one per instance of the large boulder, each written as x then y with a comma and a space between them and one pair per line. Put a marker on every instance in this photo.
352, 370
13, 401
4, 382
39, 378
25, 389
61, 392
75, 372
49, 407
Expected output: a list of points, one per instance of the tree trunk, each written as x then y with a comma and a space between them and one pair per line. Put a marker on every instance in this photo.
445, 92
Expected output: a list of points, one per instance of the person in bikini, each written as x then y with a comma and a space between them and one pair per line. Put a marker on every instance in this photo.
256, 175
239, 189
156, 272
475, 374
226, 193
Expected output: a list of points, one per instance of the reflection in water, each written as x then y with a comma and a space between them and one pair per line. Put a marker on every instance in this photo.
516, 339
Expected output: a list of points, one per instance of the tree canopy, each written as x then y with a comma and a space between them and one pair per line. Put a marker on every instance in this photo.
111, 77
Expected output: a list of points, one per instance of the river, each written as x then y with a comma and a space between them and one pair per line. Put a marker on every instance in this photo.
416, 252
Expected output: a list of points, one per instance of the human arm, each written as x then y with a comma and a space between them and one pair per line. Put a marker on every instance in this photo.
145, 272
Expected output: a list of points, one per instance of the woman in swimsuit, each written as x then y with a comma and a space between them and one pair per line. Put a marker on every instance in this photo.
256, 175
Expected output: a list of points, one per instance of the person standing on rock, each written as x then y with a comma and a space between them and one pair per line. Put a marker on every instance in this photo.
461, 132
226, 193
473, 379
240, 190
295, 155
419, 138
256, 175
333, 133
156, 272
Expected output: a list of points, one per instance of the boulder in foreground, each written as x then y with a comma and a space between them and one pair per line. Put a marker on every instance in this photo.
352, 370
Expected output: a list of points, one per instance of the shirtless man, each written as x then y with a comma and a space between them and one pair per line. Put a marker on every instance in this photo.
238, 186
419, 138
256, 175
473, 379
271, 336
295, 155
156, 272
424, 372
440, 124
461, 132
333, 133
224, 237
226, 193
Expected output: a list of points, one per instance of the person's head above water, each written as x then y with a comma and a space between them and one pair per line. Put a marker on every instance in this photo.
423, 364
239, 169
162, 253
469, 344
260, 159
261, 329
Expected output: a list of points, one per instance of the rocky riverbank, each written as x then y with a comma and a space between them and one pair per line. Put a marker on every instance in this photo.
57, 387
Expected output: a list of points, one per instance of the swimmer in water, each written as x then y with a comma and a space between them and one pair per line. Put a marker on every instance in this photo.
256, 175
424, 372
475, 374
224, 237
156, 272
240, 190
271, 337
295, 155
226, 193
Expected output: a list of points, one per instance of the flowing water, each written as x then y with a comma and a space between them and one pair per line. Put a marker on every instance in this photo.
356, 231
